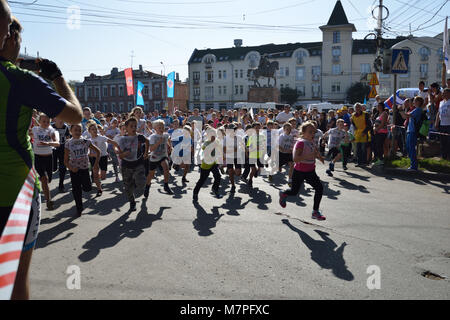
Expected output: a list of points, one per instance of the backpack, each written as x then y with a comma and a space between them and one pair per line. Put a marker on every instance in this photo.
422, 126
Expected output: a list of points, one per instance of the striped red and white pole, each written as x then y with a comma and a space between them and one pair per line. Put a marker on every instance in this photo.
13, 237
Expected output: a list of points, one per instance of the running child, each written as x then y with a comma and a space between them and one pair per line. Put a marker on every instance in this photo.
133, 155
286, 145
182, 143
335, 136
346, 146
112, 132
233, 145
305, 154
44, 139
76, 160
58, 153
159, 144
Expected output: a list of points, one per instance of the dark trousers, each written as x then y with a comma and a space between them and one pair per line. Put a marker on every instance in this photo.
80, 182
379, 145
58, 163
346, 153
204, 174
311, 178
445, 142
361, 152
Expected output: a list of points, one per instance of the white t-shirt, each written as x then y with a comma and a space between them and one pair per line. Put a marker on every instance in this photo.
160, 152
317, 136
78, 152
335, 137
284, 117
100, 142
287, 142
444, 113
112, 133
42, 135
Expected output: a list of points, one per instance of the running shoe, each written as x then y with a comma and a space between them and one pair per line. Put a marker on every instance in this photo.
270, 178
329, 173
167, 189
345, 168
99, 193
133, 206
331, 166
283, 198
50, 205
318, 215
146, 191
379, 163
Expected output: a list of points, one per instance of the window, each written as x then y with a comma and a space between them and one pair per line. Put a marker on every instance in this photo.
301, 90
336, 52
300, 73
315, 90
336, 69
113, 107
145, 90
105, 107
130, 106
236, 89
281, 72
300, 57
286, 71
89, 92
97, 93
220, 74
105, 91
236, 73
121, 91
209, 93
424, 68
224, 90
121, 107
209, 76
253, 60
220, 90
224, 74
241, 89
196, 75
424, 53
157, 90
365, 68
316, 70
113, 91
336, 87
196, 93
336, 37
242, 73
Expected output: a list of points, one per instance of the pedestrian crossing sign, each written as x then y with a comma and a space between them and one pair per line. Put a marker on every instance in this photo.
374, 80
400, 61
373, 93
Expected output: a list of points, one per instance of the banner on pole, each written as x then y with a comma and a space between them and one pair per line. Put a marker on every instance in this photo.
171, 85
129, 81
139, 95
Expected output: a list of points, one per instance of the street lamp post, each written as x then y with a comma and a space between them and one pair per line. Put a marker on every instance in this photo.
164, 68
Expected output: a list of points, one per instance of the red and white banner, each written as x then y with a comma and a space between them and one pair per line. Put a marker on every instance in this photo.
13, 237
129, 81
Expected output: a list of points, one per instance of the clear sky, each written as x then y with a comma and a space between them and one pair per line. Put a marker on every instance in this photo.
168, 31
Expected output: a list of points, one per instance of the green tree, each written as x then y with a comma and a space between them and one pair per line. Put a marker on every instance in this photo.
289, 95
357, 92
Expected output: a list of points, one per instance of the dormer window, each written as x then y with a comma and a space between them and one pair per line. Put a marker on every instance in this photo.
424, 53
300, 57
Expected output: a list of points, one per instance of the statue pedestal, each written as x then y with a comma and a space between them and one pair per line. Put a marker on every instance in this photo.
263, 95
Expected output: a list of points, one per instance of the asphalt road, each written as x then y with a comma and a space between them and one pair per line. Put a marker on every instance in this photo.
246, 246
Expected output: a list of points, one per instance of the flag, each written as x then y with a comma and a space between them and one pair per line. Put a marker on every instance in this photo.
365, 101
140, 96
129, 81
390, 102
251, 114
170, 85
445, 46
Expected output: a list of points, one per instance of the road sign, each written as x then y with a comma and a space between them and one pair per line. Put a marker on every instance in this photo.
374, 80
400, 61
373, 93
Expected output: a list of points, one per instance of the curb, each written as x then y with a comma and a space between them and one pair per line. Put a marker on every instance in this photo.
419, 174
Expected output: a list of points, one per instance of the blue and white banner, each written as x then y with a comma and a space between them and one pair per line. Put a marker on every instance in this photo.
140, 96
171, 85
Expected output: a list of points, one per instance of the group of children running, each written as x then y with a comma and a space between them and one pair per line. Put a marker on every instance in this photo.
138, 148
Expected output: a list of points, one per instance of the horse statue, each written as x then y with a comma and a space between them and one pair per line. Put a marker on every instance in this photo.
265, 69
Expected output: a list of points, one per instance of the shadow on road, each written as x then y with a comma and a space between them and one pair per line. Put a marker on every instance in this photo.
47, 237
204, 221
119, 230
350, 186
323, 253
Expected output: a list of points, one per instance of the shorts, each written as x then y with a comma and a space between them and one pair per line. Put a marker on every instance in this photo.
44, 166
157, 164
285, 158
333, 152
102, 163
33, 221
234, 165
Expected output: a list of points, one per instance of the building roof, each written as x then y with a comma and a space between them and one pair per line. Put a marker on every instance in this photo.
338, 16
116, 74
273, 50
369, 46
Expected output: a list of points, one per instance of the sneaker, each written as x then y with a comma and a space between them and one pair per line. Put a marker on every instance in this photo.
50, 205
345, 168
379, 163
79, 212
195, 198
283, 198
331, 166
99, 193
318, 216
167, 189
411, 169
329, 173
61, 188
133, 206
146, 191
233, 189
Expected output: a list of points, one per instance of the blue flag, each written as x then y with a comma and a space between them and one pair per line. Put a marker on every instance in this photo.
140, 96
170, 85
365, 101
